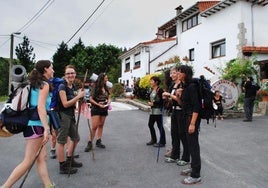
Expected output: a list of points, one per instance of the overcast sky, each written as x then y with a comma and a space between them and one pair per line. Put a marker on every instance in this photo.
123, 23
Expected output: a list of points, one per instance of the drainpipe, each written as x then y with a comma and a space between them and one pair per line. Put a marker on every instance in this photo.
147, 49
252, 24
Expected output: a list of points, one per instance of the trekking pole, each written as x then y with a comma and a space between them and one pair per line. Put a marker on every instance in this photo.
77, 123
161, 134
36, 156
90, 132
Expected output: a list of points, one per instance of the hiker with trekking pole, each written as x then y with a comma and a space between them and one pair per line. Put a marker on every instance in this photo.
68, 96
37, 132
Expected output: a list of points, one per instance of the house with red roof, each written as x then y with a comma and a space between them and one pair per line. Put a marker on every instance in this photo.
206, 35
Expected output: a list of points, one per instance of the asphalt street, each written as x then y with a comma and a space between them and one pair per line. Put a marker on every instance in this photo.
234, 155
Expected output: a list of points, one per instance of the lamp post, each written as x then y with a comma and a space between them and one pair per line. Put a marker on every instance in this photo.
11, 59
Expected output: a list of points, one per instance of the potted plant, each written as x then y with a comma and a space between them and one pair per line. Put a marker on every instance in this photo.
263, 92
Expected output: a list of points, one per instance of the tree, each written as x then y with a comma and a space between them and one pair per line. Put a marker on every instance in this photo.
4, 70
25, 55
60, 59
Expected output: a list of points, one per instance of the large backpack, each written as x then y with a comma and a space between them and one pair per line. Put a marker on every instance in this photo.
206, 97
16, 112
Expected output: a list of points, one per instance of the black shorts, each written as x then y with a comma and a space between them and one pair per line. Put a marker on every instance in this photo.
97, 111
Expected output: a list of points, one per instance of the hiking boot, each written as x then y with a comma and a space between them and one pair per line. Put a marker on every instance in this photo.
73, 162
89, 146
65, 169
53, 154
75, 155
190, 180
99, 144
150, 143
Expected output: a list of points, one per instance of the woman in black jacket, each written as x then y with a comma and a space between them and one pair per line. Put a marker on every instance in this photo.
191, 106
156, 103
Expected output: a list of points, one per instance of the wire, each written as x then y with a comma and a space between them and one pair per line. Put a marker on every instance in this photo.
34, 18
94, 21
85, 22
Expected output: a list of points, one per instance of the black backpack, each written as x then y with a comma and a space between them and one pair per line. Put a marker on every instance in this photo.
206, 97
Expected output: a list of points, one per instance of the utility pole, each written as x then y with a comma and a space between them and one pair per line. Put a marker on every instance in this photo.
11, 59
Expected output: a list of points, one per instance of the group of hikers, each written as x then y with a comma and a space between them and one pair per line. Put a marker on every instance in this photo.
66, 136
181, 96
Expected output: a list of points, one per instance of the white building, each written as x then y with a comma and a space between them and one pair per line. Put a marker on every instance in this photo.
208, 34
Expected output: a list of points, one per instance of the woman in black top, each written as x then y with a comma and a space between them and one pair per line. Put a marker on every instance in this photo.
218, 101
100, 101
156, 103
178, 132
191, 105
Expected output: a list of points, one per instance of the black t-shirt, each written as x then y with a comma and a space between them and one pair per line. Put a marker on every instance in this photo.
190, 99
70, 94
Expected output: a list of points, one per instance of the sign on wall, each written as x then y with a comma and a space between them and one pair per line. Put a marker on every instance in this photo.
228, 91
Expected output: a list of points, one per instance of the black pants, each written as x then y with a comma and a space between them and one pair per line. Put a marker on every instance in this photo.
194, 149
159, 121
178, 134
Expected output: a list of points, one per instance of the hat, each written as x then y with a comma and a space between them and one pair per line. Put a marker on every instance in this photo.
3, 131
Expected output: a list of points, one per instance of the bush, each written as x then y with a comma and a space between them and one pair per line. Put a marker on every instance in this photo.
117, 90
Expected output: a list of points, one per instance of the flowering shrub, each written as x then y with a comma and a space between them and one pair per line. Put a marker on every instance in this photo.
145, 81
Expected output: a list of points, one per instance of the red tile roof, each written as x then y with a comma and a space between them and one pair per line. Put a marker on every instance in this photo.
204, 5
255, 49
157, 41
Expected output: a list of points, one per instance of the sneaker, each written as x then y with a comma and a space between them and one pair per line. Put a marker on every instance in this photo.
171, 160
99, 144
190, 180
182, 163
65, 169
89, 146
74, 163
186, 172
150, 143
53, 154
159, 145
52, 185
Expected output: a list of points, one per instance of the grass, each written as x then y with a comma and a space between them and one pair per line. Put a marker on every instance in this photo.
3, 98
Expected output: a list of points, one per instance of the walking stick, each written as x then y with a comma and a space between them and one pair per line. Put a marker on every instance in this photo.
90, 132
77, 122
36, 156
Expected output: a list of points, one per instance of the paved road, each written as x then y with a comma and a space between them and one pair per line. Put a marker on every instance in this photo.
234, 155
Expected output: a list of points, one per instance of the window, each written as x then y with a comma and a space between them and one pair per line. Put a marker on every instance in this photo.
127, 64
218, 49
137, 61
191, 54
190, 22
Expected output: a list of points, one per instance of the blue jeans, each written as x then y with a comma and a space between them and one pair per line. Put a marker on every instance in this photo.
248, 107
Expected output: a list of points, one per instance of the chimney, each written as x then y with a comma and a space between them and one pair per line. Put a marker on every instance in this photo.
178, 10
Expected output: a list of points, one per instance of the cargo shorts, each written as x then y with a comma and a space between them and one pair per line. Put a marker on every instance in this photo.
67, 128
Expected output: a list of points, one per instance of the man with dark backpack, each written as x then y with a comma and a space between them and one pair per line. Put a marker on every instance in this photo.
250, 88
206, 96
